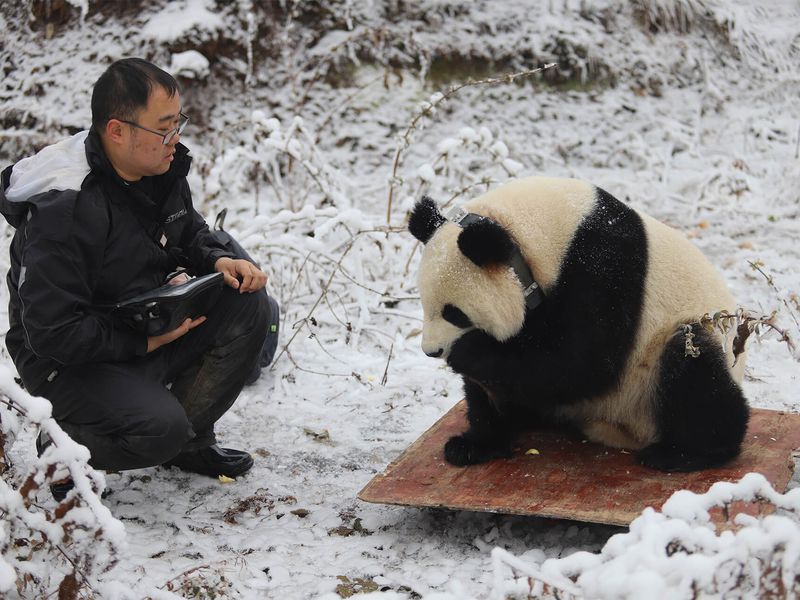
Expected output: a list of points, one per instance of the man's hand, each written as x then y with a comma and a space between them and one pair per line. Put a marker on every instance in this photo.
156, 341
241, 274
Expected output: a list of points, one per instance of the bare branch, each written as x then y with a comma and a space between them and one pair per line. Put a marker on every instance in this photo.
427, 110
757, 266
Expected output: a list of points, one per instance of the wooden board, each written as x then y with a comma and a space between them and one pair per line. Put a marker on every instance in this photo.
569, 478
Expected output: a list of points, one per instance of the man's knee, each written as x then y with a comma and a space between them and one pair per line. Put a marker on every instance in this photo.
263, 311
150, 440
159, 438
250, 314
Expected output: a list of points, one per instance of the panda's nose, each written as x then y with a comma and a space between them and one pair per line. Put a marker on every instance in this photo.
436, 353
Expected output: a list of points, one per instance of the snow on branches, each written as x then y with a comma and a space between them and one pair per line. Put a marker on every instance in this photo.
679, 552
44, 547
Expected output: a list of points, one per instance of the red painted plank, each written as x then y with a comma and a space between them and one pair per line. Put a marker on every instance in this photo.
569, 478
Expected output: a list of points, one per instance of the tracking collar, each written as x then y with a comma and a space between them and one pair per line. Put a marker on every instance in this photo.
530, 289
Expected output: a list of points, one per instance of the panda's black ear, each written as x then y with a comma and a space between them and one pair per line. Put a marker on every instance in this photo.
486, 243
425, 219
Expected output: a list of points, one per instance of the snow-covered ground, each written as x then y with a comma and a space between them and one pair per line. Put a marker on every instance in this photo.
304, 126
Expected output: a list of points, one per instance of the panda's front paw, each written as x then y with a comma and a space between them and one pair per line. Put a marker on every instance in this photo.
462, 451
458, 451
472, 355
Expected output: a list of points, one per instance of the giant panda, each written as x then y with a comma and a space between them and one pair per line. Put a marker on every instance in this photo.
560, 305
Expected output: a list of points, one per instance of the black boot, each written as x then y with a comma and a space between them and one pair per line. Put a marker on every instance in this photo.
213, 461
59, 489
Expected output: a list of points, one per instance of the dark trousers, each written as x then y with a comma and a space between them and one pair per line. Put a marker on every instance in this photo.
128, 417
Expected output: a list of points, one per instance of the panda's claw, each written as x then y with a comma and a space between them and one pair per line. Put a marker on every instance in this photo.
461, 451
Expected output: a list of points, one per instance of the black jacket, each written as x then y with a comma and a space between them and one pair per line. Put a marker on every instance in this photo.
84, 240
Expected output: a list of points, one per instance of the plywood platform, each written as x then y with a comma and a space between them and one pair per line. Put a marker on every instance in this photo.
569, 478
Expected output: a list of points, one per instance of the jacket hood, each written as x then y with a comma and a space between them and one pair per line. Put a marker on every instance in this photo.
61, 166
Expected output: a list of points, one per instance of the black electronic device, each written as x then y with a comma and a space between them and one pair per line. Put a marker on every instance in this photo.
166, 307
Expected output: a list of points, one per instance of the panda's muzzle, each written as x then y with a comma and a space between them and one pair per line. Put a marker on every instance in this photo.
435, 353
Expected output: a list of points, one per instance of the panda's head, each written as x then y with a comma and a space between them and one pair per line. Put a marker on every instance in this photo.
465, 279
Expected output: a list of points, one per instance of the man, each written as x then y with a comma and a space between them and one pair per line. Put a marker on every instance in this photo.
100, 218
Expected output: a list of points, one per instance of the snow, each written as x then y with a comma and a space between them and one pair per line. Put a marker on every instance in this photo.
178, 19
190, 64
296, 135
667, 553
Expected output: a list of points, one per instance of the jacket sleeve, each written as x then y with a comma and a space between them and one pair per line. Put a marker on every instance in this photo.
62, 255
202, 248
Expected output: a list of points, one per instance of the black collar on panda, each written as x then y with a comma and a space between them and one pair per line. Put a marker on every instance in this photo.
530, 289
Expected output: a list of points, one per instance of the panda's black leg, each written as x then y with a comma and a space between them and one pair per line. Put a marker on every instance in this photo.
490, 434
701, 411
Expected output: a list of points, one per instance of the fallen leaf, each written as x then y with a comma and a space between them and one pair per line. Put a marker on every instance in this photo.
532, 451
226, 479
319, 436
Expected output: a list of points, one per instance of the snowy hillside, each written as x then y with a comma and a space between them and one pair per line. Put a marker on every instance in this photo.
317, 125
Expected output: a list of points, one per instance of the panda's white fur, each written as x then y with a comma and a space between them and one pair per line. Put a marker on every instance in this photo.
681, 287
542, 215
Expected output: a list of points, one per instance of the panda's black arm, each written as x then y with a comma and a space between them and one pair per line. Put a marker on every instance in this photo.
577, 342
560, 373
491, 433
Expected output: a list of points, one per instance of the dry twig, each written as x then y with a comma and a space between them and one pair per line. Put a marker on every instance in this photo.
428, 109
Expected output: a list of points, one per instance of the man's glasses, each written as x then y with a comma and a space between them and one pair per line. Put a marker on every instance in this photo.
166, 137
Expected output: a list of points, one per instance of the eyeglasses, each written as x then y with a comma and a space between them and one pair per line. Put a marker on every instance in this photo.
167, 137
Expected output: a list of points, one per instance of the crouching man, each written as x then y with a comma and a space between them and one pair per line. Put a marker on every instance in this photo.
100, 218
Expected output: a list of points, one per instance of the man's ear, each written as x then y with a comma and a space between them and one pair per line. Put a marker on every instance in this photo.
114, 131
486, 243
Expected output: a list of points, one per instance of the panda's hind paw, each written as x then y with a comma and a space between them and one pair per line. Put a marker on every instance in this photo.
669, 458
462, 451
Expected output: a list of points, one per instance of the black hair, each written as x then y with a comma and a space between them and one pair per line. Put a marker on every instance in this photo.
124, 88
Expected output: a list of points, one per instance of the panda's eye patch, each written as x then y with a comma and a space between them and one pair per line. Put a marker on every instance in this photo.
456, 316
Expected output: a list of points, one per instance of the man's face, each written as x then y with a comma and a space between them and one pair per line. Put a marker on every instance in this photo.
145, 153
